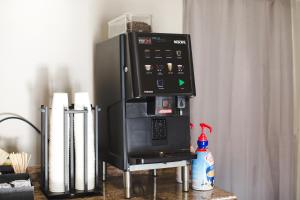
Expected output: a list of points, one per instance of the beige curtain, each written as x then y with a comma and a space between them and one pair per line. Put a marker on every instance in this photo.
242, 53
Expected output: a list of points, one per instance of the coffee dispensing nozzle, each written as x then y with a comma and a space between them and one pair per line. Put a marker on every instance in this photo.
181, 104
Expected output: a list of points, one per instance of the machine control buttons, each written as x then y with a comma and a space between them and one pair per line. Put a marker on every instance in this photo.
165, 69
180, 82
160, 83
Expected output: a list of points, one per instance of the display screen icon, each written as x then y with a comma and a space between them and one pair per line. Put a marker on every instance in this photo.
178, 53
148, 67
160, 83
159, 68
180, 68
180, 82
170, 66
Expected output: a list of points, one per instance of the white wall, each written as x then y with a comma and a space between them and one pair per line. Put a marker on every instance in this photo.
47, 46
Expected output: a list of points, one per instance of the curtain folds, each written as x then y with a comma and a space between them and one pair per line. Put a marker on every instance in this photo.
242, 53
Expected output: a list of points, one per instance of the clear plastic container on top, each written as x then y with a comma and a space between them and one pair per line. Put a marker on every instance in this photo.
129, 23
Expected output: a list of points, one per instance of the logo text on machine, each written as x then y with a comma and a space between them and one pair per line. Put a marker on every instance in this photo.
179, 42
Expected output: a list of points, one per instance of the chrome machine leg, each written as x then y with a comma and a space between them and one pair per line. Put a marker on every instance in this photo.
185, 178
103, 171
154, 188
127, 186
154, 173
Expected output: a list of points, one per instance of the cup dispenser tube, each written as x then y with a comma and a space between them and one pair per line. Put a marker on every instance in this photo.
69, 154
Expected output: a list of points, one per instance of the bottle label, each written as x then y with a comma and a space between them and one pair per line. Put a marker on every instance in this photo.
203, 175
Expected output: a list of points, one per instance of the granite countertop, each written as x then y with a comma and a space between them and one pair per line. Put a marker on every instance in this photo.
144, 186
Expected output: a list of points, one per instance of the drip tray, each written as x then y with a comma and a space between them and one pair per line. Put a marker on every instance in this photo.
150, 158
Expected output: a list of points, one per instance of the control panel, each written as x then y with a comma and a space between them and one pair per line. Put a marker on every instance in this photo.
164, 63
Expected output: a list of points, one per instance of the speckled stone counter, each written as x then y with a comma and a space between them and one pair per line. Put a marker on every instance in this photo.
144, 186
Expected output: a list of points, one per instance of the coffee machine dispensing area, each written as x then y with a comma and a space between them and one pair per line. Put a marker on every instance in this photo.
143, 83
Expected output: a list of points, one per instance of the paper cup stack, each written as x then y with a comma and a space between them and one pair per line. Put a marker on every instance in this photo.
82, 100
56, 143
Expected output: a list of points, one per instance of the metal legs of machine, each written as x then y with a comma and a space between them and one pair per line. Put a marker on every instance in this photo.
153, 168
185, 178
103, 171
127, 183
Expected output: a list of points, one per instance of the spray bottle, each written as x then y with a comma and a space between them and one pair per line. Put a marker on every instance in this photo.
203, 167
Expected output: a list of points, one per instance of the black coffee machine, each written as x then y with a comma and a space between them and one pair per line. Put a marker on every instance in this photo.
143, 83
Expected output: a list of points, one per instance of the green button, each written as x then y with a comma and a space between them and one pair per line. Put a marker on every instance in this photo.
180, 82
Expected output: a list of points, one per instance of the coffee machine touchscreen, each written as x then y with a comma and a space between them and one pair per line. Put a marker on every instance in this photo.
164, 64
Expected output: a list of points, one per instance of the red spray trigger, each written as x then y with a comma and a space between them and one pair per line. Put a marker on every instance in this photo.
203, 126
202, 139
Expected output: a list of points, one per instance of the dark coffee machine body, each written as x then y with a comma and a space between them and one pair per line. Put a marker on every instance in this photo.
143, 84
